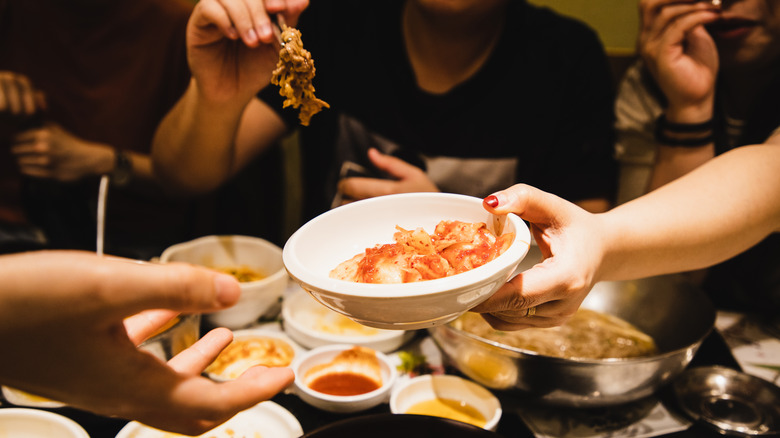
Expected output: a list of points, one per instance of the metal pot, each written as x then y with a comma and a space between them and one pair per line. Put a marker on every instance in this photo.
671, 310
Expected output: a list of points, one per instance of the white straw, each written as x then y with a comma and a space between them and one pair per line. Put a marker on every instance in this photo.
101, 213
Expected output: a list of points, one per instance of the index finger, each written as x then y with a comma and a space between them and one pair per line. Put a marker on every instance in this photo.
530, 203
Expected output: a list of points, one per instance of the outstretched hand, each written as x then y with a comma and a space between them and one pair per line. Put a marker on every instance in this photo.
557, 285
68, 333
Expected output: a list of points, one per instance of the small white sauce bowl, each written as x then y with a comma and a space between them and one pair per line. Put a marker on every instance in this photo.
429, 387
340, 403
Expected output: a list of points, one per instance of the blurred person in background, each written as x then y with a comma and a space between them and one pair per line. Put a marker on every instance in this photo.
464, 96
721, 208
86, 314
83, 85
708, 81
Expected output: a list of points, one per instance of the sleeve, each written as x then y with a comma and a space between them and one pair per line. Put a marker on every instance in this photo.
636, 108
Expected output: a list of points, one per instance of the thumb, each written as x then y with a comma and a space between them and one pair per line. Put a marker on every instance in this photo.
174, 286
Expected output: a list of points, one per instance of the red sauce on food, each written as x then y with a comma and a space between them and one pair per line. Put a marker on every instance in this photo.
343, 383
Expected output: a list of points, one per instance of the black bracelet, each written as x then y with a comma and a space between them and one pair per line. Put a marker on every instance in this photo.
684, 128
705, 129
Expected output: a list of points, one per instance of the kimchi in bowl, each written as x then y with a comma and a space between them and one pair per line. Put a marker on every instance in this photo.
326, 241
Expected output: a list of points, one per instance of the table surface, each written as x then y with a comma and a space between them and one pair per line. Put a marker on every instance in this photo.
713, 351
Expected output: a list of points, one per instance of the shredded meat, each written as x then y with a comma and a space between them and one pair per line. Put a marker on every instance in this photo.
294, 74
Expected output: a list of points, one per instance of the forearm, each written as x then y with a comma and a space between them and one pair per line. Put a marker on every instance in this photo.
672, 163
715, 212
193, 148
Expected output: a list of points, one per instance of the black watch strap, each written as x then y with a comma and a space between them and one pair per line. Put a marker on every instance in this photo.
123, 169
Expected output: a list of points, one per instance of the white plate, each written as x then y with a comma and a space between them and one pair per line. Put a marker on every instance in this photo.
313, 325
266, 420
22, 398
34, 423
237, 368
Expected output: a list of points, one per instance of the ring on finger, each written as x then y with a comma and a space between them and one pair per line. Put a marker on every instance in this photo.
531, 311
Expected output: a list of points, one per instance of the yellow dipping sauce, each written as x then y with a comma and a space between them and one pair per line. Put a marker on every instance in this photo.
448, 408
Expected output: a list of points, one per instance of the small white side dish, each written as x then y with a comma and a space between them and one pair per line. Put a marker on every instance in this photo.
340, 403
429, 387
22, 398
313, 325
339, 234
257, 297
239, 365
266, 419
34, 423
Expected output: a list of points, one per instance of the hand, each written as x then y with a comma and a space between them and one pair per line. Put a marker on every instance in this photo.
231, 47
681, 55
560, 282
66, 335
52, 152
408, 178
18, 97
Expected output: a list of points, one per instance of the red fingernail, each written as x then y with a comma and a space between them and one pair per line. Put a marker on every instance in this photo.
491, 201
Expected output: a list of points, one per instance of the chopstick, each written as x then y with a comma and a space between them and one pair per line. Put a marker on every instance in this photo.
276, 26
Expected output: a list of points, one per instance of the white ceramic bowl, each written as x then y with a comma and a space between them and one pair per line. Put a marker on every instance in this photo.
34, 423
266, 419
257, 297
313, 325
237, 367
339, 234
429, 387
337, 403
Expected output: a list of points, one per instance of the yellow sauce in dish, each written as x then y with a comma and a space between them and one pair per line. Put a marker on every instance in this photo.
448, 408
244, 274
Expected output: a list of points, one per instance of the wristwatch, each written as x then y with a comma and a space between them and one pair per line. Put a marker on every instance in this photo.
123, 169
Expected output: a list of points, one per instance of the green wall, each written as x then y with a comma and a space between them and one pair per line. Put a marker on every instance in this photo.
616, 21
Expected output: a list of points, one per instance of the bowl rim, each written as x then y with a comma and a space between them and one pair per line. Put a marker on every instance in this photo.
288, 318
42, 415
380, 392
490, 423
271, 277
444, 286
388, 417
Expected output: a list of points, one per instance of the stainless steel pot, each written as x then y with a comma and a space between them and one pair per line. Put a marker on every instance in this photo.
671, 310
